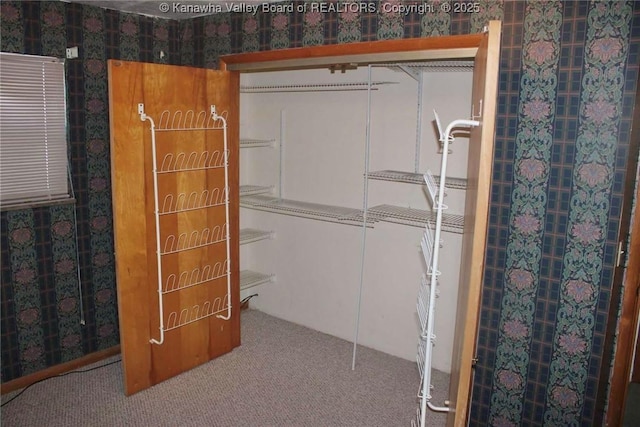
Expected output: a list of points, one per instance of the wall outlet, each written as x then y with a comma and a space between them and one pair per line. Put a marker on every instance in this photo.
72, 52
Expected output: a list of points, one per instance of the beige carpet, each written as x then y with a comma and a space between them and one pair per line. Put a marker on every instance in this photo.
282, 375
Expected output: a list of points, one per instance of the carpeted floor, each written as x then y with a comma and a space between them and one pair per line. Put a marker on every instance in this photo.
282, 375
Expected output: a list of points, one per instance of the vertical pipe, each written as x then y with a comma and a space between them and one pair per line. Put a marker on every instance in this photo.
365, 203
419, 124
281, 153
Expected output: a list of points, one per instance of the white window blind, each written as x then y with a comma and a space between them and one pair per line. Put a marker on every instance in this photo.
33, 139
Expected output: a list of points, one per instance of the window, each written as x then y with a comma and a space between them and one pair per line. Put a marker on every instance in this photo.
33, 140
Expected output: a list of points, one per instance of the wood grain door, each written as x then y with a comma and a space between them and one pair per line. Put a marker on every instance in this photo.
484, 99
184, 290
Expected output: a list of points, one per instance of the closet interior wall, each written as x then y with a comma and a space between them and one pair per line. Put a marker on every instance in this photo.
318, 155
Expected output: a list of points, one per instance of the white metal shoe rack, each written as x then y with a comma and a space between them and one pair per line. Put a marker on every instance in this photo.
431, 243
177, 204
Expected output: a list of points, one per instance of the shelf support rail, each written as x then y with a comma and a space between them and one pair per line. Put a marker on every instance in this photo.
425, 394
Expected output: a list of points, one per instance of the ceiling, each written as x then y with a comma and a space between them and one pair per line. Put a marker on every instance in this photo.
170, 9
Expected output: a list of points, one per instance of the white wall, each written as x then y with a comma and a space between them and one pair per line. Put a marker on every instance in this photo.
318, 263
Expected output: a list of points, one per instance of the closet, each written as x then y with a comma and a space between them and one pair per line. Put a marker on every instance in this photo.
327, 148
346, 135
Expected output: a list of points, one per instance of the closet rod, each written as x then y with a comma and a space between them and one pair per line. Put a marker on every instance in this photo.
431, 66
315, 87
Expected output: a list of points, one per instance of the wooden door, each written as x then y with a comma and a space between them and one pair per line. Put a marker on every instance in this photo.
186, 293
484, 98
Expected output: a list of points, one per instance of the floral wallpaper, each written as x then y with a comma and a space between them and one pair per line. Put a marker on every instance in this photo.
605, 58
568, 77
533, 144
588, 188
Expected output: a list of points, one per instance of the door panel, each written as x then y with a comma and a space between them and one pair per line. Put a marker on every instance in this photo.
484, 97
192, 220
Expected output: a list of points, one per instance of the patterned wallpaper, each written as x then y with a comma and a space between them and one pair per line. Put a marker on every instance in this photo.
568, 77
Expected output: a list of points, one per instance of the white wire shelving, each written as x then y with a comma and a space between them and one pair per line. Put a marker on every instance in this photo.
350, 216
180, 163
252, 235
255, 143
253, 190
415, 178
249, 279
452, 223
317, 211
